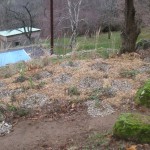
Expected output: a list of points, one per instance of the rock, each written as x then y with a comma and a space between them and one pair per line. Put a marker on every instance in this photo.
143, 95
5, 128
143, 44
118, 85
135, 127
35, 101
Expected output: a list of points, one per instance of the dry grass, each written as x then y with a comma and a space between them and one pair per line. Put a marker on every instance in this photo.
58, 91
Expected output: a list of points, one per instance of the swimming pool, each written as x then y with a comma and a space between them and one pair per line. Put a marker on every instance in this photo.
13, 57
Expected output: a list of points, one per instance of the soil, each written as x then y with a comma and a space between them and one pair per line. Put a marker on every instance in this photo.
46, 134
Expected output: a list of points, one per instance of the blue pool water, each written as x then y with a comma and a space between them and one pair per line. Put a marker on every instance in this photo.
13, 57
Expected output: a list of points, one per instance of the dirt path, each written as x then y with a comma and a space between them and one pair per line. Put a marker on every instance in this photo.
45, 134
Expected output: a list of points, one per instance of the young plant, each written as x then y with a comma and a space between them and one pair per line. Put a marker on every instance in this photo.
41, 85
13, 98
95, 95
73, 91
21, 70
21, 112
31, 83
128, 73
70, 63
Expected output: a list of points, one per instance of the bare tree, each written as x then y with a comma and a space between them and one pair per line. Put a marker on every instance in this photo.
74, 7
131, 29
110, 12
22, 15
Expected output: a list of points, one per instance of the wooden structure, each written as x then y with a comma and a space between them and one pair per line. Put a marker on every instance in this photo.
13, 38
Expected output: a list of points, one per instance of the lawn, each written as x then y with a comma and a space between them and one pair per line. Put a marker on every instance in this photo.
101, 41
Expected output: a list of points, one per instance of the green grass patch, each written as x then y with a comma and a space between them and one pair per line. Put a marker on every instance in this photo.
96, 42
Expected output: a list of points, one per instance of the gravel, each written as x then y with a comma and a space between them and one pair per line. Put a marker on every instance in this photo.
6, 93
90, 82
144, 69
35, 101
101, 67
2, 84
103, 110
2, 118
118, 85
63, 78
43, 74
70, 64
5, 128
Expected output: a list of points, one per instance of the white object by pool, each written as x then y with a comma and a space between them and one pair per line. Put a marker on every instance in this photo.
11, 57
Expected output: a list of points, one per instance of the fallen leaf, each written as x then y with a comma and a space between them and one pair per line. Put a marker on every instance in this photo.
133, 147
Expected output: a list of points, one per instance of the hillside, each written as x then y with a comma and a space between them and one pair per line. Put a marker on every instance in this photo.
63, 101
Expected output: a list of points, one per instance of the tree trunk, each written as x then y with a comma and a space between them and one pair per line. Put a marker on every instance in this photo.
109, 31
131, 30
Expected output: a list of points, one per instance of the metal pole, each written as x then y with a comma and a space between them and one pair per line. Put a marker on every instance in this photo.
51, 27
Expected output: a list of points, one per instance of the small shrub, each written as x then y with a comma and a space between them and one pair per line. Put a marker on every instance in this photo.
20, 79
97, 140
73, 91
37, 76
21, 112
46, 61
21, 69
96, 95
143, 95
31, 82
70, 63
128, 73
12, 108
108, 92
7, 75
25, 88
101, 93
41, 85
135, 127
13, 98
148, 71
